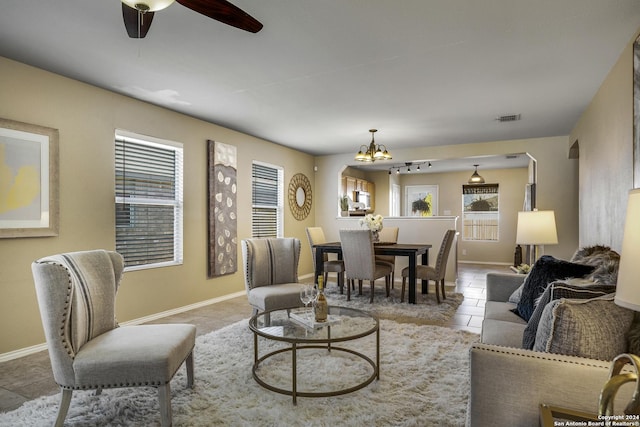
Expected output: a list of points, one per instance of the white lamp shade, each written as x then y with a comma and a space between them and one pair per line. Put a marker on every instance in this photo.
154, 5
628, 287
537, 228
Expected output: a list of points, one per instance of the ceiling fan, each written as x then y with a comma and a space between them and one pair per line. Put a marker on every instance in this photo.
138, 14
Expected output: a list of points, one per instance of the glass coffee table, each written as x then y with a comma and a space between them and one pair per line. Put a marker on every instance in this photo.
297, 329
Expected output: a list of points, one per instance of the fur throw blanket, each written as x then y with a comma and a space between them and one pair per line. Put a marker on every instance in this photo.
604, 259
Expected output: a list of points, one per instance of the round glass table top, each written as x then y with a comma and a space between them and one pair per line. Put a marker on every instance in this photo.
298, 325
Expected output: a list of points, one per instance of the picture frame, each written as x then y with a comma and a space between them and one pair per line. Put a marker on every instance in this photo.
29, 198
421, 200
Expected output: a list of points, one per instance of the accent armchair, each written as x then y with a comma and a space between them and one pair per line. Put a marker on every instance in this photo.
88, 350
271, 273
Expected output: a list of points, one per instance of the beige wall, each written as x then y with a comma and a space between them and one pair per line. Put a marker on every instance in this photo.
557, 186
86, 118
512, 186
605, 137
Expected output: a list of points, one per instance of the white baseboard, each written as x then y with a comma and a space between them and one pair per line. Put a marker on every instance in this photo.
4, 357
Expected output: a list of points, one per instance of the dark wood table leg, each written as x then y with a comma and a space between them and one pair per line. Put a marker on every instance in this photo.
412, 280
425, 283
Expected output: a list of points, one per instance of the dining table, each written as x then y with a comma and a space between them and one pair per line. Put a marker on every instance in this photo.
409, 250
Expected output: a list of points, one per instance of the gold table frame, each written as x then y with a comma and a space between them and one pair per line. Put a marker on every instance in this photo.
305, 342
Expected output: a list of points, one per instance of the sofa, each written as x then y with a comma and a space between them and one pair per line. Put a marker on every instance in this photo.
509, 382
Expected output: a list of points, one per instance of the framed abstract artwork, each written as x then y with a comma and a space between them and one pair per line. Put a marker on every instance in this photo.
421, 200
28, 180
222, 218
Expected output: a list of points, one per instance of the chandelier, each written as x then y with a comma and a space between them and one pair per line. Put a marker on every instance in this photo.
373, 152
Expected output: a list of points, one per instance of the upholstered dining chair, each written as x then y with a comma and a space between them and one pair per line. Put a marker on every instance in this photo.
437, 273
271, 273
359, 260
315, 235
76, 294
389, 235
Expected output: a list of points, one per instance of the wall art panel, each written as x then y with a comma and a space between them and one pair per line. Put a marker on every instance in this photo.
222, 194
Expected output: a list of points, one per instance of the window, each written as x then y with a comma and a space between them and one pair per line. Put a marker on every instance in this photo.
148, 201
267, 200
480, 213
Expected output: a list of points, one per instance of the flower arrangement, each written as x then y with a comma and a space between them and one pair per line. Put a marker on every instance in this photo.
523, 268
372, 222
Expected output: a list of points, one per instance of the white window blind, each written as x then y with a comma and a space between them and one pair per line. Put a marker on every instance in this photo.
148, 206
267, 200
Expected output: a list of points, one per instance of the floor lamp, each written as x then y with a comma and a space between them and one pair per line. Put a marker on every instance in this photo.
628, 296
536, 228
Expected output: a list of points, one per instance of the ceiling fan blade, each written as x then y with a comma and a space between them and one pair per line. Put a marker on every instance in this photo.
130, 17
223, 11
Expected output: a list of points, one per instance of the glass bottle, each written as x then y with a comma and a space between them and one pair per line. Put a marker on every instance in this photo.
321, 307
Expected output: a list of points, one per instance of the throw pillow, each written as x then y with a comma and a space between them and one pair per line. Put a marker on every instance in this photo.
557, 290
634, 335
515, 296
546, 270
594, 328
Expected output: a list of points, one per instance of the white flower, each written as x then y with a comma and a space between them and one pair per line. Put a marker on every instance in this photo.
372, 222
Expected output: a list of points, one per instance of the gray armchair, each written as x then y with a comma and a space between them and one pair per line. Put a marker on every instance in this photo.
271, 273
88, 350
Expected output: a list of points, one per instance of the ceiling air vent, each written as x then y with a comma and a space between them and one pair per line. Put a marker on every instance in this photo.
508, 118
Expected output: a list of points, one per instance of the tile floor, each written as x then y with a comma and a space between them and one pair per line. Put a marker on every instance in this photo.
29, 377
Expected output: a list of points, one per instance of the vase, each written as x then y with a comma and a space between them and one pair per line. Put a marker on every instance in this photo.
376, 236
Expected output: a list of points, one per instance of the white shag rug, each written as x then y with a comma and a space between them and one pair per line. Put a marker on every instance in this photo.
426, 311
424, 381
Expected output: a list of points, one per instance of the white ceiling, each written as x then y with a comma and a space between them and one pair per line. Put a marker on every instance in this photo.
322, 73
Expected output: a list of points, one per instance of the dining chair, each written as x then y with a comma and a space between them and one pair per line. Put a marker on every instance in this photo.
389, 235
315, 235
359, 260
437, 273
76, 294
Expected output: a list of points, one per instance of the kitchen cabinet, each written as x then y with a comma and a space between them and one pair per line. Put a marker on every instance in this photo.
351, 184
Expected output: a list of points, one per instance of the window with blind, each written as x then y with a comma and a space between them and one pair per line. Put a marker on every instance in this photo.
148, 201
480, 212
267, 200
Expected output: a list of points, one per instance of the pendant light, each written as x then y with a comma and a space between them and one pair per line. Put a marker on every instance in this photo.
476, 178
373, 152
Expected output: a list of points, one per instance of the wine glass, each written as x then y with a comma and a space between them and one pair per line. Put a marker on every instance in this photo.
313, 294
305, 294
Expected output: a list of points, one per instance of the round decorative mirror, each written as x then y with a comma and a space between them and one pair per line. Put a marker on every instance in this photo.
300, 196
